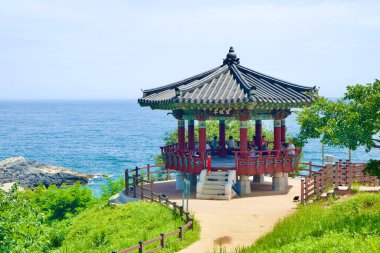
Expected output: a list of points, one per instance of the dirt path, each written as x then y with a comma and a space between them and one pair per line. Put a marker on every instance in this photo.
241, 221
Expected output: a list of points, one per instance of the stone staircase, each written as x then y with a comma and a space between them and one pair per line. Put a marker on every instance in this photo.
216, 186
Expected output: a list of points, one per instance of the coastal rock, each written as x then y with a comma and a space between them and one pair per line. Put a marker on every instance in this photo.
31, 173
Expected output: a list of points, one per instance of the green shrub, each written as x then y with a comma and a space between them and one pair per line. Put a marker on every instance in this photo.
373, 168
21, 225
70, 219
58, 203
112, 187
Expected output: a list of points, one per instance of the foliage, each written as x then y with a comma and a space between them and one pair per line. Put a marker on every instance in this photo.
70, 219
352, 225
212, 129
58, 203
104, 228
158, 160
373, 168
21, 225
351, 121
112, 187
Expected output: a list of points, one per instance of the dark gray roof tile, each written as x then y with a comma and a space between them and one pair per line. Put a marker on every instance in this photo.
229, 83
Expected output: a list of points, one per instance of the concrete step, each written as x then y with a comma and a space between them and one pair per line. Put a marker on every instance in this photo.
214, 187
213, 197
219, 173
216, 178
213, 191
215, 182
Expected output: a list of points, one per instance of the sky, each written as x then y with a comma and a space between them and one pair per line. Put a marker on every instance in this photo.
92, 49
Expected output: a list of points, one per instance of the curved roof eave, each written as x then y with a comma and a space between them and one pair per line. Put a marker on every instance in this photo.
179, 83
293, 85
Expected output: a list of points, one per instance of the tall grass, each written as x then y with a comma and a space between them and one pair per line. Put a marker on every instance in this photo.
106, 228
352, 225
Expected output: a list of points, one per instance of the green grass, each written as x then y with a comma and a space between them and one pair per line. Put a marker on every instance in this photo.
104, 228
351, 225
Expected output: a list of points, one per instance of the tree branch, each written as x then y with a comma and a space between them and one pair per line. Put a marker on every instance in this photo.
375, 143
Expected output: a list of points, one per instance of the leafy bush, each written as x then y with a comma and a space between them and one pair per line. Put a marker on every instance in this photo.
60, 203
21, 225
373, 168
112, 187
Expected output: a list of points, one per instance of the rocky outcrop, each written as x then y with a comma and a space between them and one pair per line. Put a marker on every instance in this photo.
31, 173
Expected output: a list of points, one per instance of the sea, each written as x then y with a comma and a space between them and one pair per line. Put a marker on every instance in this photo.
107, 137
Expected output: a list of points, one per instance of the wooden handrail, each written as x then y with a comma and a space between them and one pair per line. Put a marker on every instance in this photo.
339, 173
185, 216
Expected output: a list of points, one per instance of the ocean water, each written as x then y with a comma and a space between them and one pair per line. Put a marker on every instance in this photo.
105, 137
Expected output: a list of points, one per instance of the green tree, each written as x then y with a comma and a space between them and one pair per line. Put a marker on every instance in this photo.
349, 122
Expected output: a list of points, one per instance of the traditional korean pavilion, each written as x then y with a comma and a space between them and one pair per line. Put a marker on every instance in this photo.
231, 92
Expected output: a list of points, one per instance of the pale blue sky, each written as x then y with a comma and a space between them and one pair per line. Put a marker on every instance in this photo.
111, 49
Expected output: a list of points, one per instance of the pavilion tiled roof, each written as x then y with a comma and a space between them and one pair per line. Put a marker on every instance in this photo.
229, 83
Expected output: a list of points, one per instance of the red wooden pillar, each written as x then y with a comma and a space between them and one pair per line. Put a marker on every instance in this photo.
181, 134
202, 136
258, 133
190, 129
243, 135
243, 117
277, 134
283, 130
222, 134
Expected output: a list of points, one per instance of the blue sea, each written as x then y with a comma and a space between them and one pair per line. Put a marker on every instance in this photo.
105, 137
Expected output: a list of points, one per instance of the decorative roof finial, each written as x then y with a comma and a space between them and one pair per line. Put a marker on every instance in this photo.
231, 57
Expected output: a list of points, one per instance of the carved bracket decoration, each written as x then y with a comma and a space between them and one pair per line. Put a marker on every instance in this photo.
178, 114
201, 115
281, 114
243, 114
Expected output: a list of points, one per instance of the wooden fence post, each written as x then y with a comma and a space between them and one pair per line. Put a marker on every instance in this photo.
167, 201
151, 190
159, 198
303, 191
126, 178
181, 211
192, 224
162, 240
137, 172
141, 250
310, 168
180, 233
148, 172
134, 186
142, 188
175, 207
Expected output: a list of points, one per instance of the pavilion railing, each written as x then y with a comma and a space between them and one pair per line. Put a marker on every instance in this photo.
246, 162
330, 176
266, 161
191, 161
